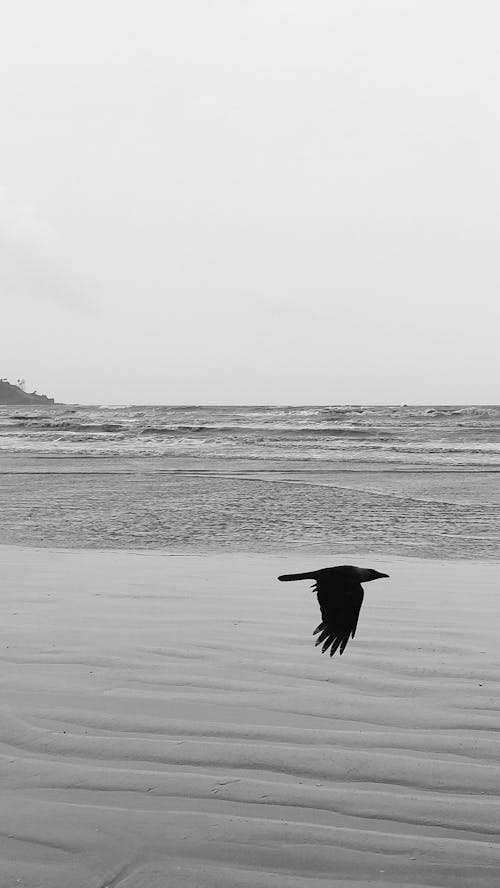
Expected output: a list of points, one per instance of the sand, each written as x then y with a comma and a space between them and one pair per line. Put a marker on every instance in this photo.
167, 722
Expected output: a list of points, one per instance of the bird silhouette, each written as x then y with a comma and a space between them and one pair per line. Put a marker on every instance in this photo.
340, 596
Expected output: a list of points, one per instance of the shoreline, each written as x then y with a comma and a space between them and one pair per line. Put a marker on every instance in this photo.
302, 555
168, 718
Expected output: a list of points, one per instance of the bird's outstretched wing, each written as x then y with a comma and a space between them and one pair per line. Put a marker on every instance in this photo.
340, 607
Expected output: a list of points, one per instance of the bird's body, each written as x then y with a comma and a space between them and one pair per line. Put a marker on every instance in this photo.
340, 596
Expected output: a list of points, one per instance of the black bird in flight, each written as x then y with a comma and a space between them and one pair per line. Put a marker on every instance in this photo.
340, 596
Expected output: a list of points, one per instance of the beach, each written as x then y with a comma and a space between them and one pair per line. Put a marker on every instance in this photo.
249, 333
166, 720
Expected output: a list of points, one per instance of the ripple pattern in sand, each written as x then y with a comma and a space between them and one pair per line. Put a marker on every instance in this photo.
167, 721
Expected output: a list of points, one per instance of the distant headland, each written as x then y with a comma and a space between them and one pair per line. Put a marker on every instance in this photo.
15, 394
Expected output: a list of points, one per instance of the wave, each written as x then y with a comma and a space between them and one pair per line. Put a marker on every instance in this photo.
449, 447
264, 431
432, 434
452, 412
275, 431
69, 426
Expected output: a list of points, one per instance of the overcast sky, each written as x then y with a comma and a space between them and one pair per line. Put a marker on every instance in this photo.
251, 201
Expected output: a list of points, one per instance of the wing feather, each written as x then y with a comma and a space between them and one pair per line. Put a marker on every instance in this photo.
340, 607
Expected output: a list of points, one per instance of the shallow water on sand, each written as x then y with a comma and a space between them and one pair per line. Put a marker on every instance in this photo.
177, 506
402, 480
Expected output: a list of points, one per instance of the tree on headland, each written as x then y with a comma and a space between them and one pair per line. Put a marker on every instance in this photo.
15, 394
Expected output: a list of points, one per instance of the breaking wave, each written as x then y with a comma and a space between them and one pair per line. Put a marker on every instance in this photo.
428, 434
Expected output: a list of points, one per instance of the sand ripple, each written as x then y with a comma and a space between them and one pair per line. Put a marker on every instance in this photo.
169, 722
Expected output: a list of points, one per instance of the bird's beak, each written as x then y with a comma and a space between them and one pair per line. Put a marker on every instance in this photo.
380, 576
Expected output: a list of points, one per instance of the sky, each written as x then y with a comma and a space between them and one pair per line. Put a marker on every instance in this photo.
251, 201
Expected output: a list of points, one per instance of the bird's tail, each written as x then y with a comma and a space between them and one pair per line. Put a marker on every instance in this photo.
286, 578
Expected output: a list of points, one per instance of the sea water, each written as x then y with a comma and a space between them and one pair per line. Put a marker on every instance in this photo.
391, 480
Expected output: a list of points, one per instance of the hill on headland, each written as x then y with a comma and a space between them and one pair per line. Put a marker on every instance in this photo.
14, 394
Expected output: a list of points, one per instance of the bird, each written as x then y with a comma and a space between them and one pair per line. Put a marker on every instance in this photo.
340, 596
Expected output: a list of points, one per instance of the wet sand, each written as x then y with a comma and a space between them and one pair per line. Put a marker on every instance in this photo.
167, 721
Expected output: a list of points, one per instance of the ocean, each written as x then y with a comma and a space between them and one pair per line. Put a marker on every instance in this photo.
402, 480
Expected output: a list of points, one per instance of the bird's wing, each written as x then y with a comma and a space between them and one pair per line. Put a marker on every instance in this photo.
340, 607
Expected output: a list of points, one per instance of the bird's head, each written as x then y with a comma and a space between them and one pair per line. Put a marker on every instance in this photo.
366, 574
